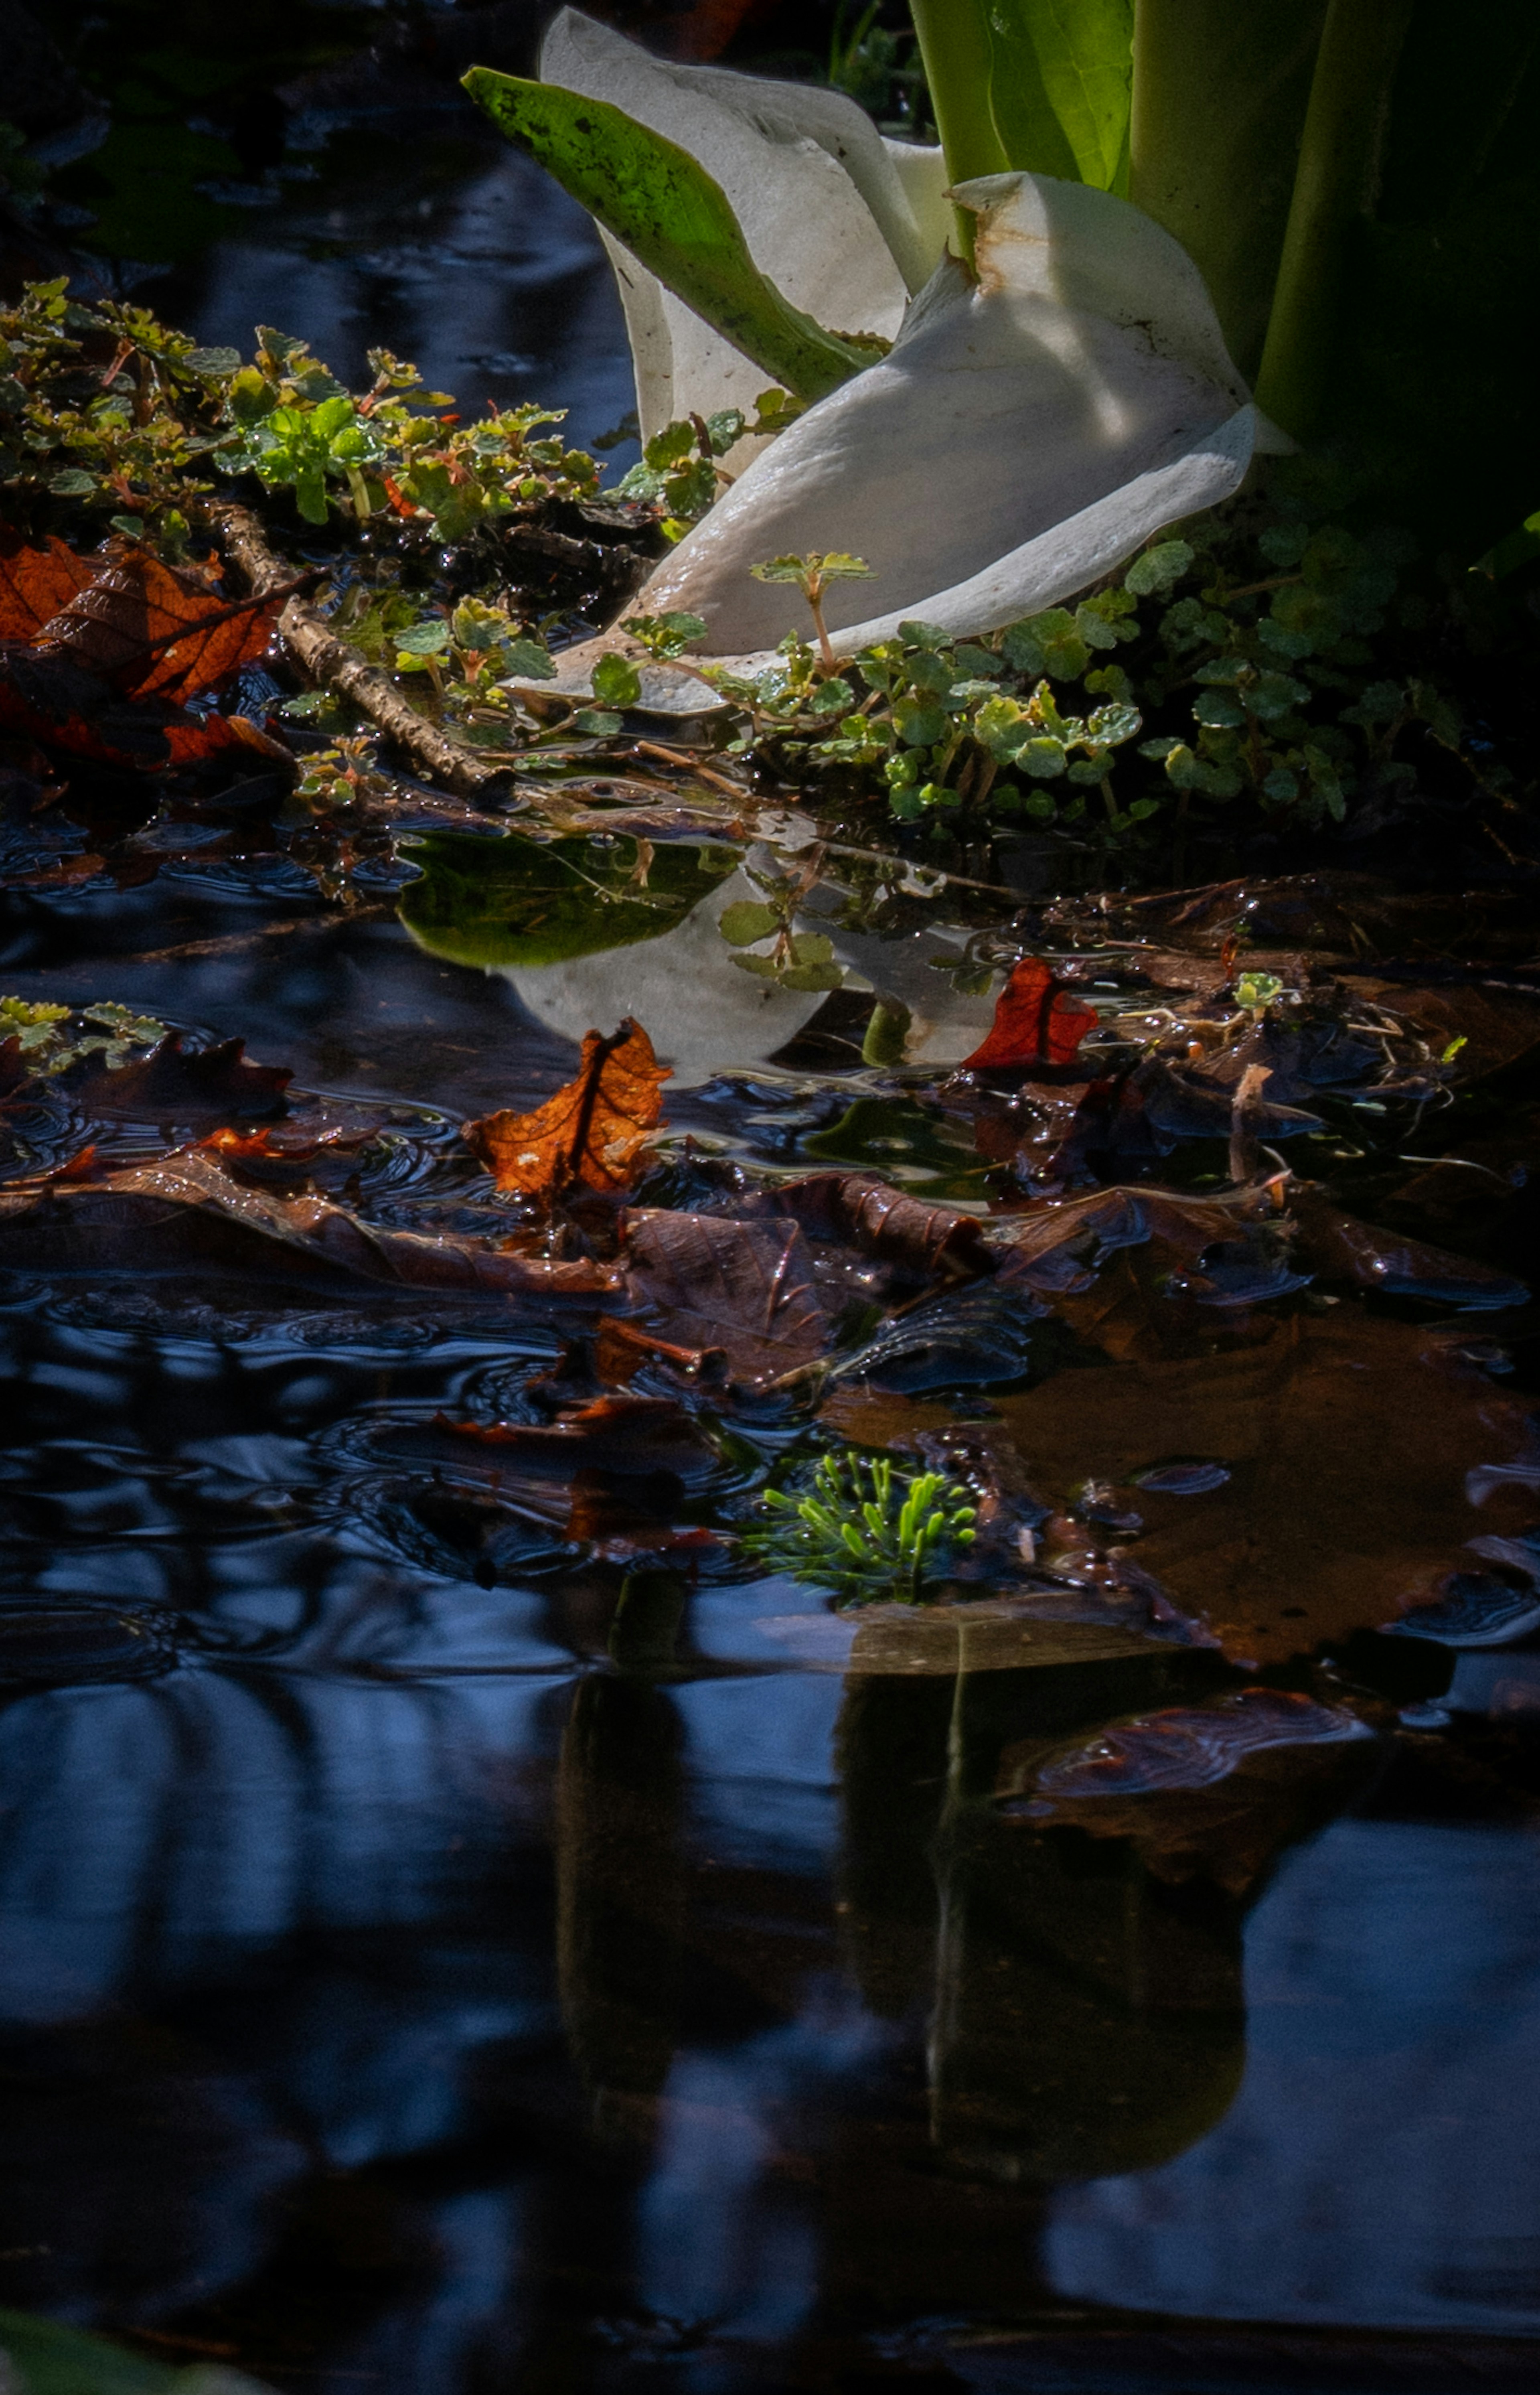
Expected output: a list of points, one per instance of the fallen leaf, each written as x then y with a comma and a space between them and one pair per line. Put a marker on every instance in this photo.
1215, 1790
1347, 1437
883, 1222
196, 1089
744, 1289
186, 1209
1037, 1021
35, 582
628, 1437
591, 1133
156, 630
1339, 1248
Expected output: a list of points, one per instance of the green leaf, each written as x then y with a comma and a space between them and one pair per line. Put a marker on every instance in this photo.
528, 661
1158, 569
616, 682
742, 924
425, 640
46, 2359
676, 219
1061, 86
213, 362
524, 902
598, 723
72, 484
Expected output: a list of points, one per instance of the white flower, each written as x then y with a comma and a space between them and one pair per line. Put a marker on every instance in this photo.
848, 226
1035, 423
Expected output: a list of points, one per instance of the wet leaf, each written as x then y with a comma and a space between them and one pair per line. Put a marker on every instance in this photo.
592, 1134
882, 1222
628, 1437
199, 1089
745, 1288
186, 1209
1342, 1249
1347, 1439
1215, 1790
1037, 1021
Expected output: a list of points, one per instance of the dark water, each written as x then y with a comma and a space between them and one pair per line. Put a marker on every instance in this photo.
405, 1984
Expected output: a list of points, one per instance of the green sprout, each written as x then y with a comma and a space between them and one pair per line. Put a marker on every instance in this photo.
866, 1528
812, 575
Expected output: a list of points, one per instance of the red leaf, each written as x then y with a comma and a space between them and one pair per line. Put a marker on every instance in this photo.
1036, 1022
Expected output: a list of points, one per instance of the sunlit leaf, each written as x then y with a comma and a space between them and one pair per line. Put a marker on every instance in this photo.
670, 213
591, 1134
1061, 84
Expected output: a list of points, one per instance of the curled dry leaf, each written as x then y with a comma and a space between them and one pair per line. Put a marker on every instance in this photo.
1037, 1021
590, 1135
883, 1222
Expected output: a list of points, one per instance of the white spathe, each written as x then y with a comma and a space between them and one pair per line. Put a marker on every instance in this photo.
1027, 433
846, 225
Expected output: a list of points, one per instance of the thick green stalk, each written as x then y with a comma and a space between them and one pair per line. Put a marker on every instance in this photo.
958, 60
1333, 186
1220, 91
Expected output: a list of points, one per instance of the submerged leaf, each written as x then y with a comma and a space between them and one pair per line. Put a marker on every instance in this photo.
745, 1289
592, 1133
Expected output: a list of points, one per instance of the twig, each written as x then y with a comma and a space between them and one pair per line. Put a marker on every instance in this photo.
331, 664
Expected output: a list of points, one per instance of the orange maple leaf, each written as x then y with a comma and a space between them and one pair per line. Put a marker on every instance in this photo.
591, 1133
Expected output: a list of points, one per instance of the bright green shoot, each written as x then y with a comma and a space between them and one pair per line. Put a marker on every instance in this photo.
864, 1527
812, 575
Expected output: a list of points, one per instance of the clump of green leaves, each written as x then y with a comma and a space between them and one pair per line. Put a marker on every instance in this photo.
105, 407
49, 1037
1246, 658
678, 467
865, 1527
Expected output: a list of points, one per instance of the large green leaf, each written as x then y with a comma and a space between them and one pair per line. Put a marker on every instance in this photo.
1061, 84
671, 215
528, 902
41, 2356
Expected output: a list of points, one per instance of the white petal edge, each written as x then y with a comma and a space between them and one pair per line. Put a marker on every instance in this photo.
1022, 437
800, 168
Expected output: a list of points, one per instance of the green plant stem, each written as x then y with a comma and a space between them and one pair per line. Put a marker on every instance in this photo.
1333, 186
958, 60
1220, 91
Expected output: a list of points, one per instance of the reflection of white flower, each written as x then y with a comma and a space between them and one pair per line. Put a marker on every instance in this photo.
1027, 432
846, 225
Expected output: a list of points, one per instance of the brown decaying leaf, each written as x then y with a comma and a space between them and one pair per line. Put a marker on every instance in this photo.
37, 582
186, 1209
591, 1133
156, 630
882, 1222
744, 1289
631, 1437
204, 1089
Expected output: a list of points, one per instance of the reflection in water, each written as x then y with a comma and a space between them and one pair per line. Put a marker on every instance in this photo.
422, 1980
